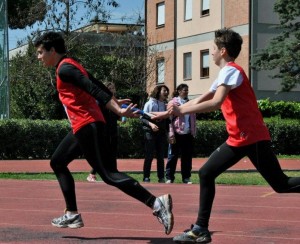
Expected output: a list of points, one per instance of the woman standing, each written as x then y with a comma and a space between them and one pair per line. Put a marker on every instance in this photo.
155, 133
181, 137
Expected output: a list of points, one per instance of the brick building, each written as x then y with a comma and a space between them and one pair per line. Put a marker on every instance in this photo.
181, 32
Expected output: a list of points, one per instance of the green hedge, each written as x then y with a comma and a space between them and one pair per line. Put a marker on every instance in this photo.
269, 109
26, 139
37, 139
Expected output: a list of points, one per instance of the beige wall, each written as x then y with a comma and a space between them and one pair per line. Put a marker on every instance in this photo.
191, 30
198, 24
199, 85
196, 85
169, 69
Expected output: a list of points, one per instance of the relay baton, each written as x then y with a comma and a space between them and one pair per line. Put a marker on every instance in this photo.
141, 112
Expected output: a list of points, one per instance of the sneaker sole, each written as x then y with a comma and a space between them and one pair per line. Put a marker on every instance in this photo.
169, 208
192, 241
71, 226
75, 226
204, 241
185, 239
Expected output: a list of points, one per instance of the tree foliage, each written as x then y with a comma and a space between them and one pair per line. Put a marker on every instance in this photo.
283, 52
67, 15
115, 58
22, 13
119, 58
33, 91
59, 15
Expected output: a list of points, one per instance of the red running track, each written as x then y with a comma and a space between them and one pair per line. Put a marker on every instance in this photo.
128, 165
241, 214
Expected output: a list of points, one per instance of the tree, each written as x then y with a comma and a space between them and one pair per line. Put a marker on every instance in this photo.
283, 51
116, 58
119, 58
67, 15
33, 93
32, 89
22, 13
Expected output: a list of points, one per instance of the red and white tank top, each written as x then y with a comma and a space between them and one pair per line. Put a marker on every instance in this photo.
244, 122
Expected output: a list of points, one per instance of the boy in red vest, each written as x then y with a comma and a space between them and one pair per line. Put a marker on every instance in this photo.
81, 96
248, 134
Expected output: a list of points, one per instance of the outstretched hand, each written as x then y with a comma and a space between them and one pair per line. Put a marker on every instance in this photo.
128, 112
173, 109
160, 115
124, 101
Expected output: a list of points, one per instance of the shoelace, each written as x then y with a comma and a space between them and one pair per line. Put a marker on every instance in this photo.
63, 218
160, 214
187, 230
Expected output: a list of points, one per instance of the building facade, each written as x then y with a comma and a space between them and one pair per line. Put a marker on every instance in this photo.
181, 33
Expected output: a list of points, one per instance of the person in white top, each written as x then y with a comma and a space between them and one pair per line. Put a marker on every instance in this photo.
155, 133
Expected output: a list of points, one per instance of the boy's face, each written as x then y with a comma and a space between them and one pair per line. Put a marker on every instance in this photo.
46, 57
217, 54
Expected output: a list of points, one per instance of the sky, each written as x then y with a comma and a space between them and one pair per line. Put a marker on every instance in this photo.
128, 8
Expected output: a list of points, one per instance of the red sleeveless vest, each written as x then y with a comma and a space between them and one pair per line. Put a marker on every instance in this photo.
81, 107
244, 122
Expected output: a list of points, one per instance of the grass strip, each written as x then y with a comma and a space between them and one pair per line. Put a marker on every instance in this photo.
227, 178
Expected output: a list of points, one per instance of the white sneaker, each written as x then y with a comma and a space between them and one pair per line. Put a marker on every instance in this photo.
91, 178
169, 182
73, 221
164, 212
187, 181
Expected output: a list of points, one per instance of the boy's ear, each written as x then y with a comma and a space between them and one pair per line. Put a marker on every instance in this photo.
223, 51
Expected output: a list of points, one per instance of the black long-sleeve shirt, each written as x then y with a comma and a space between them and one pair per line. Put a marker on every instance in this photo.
69, 73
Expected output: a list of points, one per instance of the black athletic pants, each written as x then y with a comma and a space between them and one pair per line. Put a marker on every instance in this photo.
261, 156
89, 141
184, 145
155, 143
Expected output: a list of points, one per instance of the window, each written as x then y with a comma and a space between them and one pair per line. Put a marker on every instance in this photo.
160, 14
160, 69
187, 66
188, 10
204, 64
205, 7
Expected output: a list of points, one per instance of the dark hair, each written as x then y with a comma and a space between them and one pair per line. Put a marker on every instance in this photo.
179, 88
156, 91
51, 39
230, 40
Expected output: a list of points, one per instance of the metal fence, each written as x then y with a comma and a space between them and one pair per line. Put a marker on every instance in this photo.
4, 84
